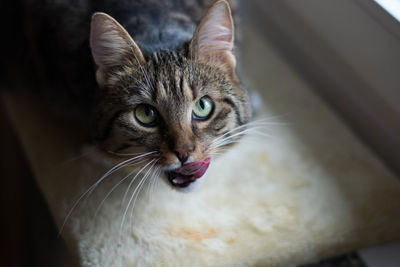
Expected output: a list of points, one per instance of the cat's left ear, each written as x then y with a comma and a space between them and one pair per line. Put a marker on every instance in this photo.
213, 40
111, 45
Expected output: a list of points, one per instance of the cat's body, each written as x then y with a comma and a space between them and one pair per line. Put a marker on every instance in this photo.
166, 81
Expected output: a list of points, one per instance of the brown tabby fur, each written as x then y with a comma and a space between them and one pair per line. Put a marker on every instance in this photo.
171, 82
166, 65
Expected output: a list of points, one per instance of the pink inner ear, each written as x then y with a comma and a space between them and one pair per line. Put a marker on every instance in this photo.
107, 42
110, 42
214, 39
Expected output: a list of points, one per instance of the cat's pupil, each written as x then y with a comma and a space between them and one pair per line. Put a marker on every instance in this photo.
148, 111
202, 103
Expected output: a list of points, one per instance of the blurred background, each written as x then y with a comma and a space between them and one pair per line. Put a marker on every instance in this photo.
347, 51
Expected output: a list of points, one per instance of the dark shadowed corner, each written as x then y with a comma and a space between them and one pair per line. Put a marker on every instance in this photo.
29, 235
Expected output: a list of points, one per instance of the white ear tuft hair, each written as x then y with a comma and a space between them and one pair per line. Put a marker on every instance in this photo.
110, 42
213, 39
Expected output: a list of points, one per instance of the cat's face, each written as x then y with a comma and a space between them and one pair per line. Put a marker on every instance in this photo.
177, 106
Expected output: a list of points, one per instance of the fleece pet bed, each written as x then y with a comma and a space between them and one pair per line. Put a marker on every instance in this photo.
307, 191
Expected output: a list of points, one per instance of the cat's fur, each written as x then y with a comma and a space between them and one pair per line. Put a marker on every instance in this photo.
173, 60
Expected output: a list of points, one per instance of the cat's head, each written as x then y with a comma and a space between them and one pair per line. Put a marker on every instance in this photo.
179, 108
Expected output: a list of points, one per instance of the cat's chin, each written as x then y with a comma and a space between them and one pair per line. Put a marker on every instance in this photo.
182, 184
187, 188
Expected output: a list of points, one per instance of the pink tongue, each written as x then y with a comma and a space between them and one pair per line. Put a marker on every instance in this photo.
195, 169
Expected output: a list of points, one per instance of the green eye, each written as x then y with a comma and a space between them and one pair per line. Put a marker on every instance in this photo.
203, 108
146, 115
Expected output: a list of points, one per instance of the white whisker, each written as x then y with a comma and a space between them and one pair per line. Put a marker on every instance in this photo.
139, 188
133, 180
251, 128
151, 180
133, 194
257, 123
91, 188
124, 154
229, 140
116, 185
234, 135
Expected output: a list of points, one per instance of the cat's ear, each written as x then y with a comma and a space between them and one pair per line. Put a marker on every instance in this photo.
214, 37
111, 44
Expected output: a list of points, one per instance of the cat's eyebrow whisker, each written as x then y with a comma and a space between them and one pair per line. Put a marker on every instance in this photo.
138, 82
193, 62
91, 188
147, 78
141, 87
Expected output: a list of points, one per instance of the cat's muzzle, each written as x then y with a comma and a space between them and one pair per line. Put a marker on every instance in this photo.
188, 173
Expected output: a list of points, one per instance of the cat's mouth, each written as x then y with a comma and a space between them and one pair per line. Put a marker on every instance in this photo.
188, 173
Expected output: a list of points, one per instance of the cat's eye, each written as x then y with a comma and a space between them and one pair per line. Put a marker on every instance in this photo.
203, 108
146, 115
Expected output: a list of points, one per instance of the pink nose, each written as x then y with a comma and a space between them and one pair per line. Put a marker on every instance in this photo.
184, 153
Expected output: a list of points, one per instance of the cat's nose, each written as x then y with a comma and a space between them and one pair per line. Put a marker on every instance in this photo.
184, 153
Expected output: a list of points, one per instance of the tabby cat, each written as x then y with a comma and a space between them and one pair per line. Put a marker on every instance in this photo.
167, 90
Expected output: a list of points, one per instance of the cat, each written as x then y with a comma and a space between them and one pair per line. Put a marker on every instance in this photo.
164, 86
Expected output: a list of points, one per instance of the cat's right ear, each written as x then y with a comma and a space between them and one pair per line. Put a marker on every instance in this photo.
111, 45
213, 39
